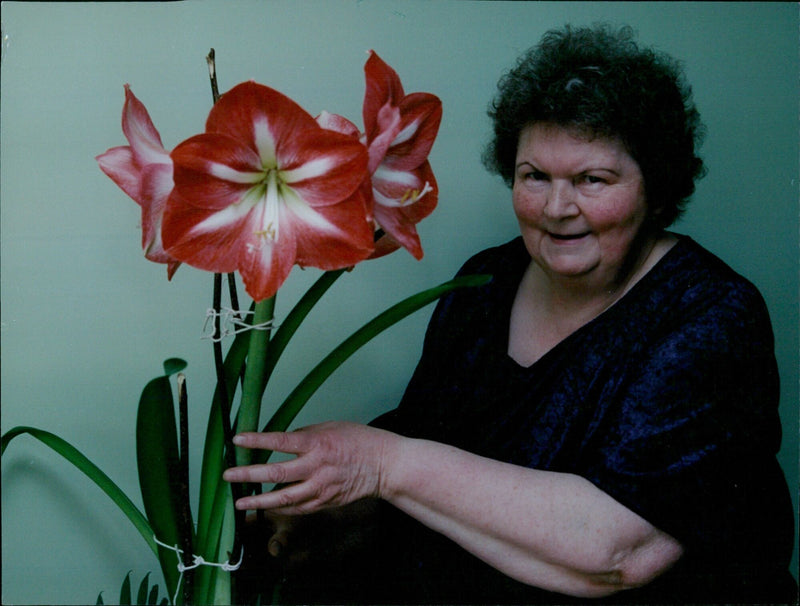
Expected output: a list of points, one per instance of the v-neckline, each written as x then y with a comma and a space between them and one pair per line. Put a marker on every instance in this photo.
516, 278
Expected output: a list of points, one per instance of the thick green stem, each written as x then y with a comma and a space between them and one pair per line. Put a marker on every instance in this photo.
253, 384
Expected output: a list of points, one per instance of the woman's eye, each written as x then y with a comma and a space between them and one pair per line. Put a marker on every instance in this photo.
536, 175
591, 179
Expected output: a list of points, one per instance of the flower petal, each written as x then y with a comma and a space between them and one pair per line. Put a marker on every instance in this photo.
421, 115
140, 132
118, 164
211, 250
156, 188
386, 244
383, 87
389, 121
249, 111
338, 123
214, 171
347, 239
397, 209
326, 166
264, 263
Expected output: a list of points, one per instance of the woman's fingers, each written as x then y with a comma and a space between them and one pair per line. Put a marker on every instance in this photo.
290, 500
335, 464
284, 472
290, 442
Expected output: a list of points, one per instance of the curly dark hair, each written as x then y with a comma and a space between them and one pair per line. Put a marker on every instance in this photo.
598, 82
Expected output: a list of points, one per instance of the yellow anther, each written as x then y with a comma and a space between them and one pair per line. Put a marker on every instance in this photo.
268, 233
409, 195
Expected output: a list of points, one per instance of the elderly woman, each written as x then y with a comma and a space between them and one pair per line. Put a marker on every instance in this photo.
599, 420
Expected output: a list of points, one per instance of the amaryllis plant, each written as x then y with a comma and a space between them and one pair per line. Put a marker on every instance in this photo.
265, 187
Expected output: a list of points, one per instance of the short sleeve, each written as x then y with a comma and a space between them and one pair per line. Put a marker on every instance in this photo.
690, 442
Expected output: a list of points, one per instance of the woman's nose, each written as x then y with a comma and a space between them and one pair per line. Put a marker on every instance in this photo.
560, 202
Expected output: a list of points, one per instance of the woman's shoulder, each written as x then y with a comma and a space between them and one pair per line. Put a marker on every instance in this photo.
691, 285
694, 272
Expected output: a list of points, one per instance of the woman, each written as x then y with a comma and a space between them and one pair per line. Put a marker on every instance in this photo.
598, 421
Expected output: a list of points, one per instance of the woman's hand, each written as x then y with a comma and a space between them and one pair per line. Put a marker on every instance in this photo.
336, 464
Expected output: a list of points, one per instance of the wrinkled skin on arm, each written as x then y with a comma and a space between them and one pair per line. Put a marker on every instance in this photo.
579, 541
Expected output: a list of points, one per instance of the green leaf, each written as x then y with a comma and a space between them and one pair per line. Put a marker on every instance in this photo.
211, 506
295, 317
222, 578
216, 582
213, 455
206, 575
301, 394
125, 591
141, 595
79, 460
158, 464
173, 366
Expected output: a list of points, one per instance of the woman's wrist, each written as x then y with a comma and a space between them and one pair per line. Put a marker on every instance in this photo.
391, 464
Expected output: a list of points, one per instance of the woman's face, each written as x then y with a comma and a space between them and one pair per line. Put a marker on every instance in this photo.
580, 203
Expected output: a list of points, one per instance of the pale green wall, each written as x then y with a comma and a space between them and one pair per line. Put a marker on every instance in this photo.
86, 321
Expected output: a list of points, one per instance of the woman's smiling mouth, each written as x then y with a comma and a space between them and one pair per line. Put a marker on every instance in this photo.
567, 237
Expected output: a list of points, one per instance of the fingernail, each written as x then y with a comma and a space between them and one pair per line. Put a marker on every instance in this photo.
238, 440
274, 548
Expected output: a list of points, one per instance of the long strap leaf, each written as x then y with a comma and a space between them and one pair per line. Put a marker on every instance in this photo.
79, 460
297, 399
207, 576
213, 455
213, 491
295, 318
158, 464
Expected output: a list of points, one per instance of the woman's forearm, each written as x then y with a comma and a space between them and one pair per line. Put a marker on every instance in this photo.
553, 530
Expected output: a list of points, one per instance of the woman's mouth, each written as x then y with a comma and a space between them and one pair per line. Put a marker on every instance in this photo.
567, 237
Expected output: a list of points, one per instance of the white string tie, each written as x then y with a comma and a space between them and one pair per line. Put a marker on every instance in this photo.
232, 322
197, 561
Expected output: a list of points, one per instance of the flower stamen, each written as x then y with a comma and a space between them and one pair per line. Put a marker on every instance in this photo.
269, 233
413, 195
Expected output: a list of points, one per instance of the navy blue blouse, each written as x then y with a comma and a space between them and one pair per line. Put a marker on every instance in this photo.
667, 401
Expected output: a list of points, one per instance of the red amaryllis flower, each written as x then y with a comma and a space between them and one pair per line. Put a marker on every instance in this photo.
266, 187
143, 170
400, 130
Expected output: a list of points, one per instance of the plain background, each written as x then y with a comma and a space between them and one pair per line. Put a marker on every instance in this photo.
86, 321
